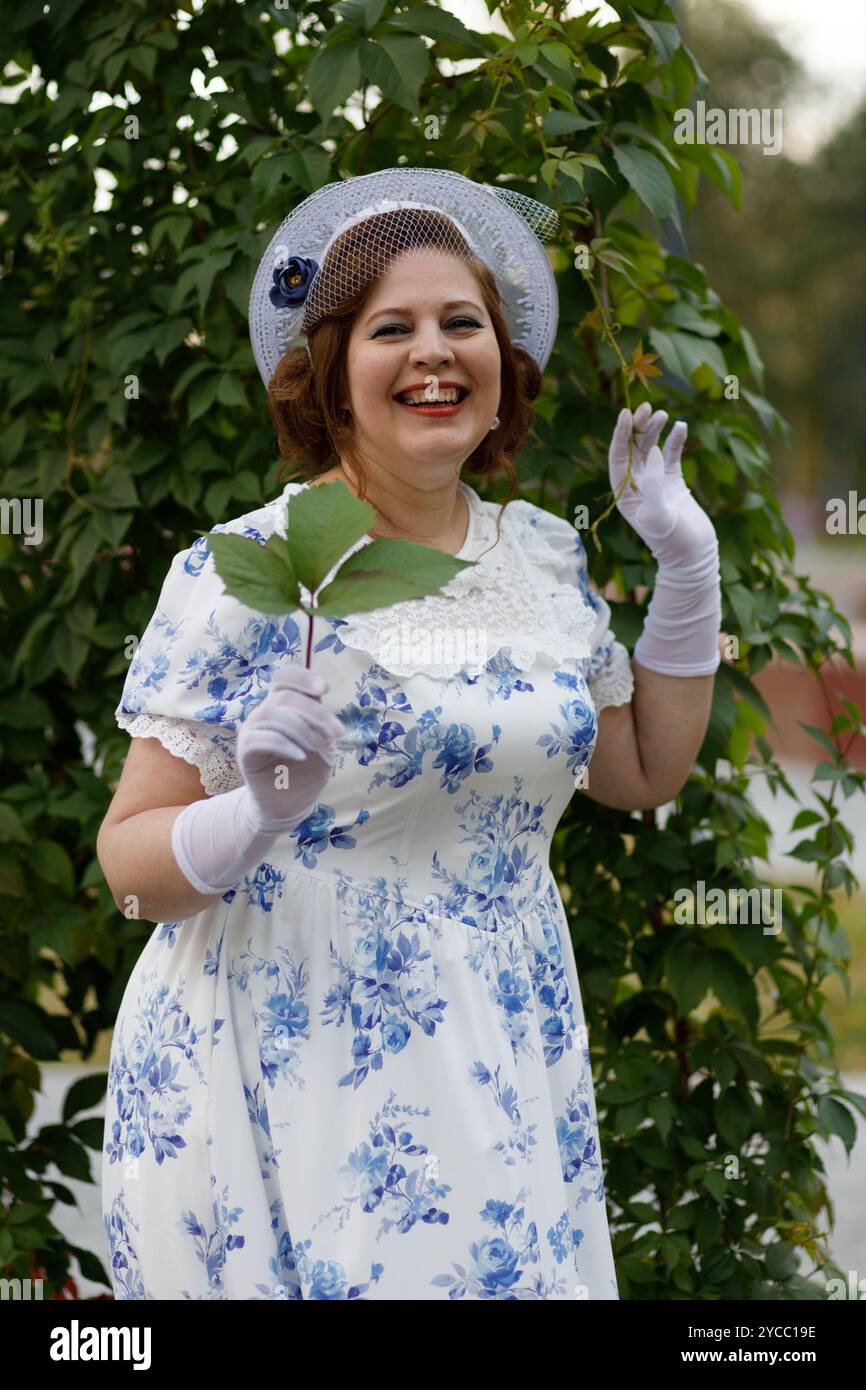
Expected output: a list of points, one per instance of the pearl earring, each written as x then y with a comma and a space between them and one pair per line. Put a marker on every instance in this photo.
495, 424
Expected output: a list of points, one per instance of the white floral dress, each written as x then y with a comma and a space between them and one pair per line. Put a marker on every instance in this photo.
363, 1072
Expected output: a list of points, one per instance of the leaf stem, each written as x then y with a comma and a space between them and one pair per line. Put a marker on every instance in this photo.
623, 366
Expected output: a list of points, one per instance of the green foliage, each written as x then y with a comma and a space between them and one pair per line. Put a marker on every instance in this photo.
132, 406
781, 264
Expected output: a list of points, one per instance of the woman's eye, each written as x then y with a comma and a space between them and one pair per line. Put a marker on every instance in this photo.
463, 321
386, 329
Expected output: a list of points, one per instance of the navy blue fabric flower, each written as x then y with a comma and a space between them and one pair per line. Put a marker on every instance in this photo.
292, 281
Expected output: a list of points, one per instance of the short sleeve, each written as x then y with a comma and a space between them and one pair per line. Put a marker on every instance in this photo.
204, 662
607, 670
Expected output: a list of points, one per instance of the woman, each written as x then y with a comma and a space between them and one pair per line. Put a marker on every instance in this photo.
351, 1060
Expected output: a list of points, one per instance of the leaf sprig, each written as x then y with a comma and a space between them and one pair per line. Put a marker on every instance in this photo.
322, 524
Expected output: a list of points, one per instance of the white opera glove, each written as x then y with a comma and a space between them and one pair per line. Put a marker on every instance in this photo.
681, 629
289, 738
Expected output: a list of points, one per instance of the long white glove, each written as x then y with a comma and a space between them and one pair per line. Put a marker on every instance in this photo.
217, 840
681, 629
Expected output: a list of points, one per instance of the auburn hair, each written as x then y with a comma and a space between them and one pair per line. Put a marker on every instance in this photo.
306, 390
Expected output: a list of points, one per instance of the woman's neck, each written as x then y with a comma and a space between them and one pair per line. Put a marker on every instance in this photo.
403, 513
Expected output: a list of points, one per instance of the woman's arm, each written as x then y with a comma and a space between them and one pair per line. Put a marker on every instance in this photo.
172, 850
134, 841
646, 749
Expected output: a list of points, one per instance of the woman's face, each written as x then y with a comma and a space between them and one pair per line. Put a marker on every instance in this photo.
423, 327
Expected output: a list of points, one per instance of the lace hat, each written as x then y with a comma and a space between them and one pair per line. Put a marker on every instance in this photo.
328, 247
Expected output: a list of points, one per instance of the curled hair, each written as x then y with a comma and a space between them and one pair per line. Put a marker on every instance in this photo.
306, 391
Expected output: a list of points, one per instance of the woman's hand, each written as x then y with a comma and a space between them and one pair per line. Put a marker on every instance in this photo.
288, 739
285, 751
662, 511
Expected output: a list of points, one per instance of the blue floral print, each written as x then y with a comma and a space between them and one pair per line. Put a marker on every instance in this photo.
150, 1076
319, 832
387, 990
576, 737
383, 1175
363, 1071
126, 1276
521, 1140
212, 1245
499, 1264
282, 1020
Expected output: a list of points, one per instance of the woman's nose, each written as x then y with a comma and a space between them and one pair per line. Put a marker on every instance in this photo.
430, 347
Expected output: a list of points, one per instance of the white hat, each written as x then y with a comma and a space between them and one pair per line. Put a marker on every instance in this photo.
295, 286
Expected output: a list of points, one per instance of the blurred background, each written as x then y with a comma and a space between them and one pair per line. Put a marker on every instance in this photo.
792, 264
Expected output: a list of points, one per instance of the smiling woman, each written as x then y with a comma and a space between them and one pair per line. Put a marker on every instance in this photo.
353, 1063
420, 315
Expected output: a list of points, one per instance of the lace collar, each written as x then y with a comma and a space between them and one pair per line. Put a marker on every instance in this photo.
512, 604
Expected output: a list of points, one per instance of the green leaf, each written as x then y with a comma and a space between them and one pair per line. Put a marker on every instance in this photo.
665, 37
559, 56
398, 65
769, 417
116, 490
333, 74
386, 572
573, 168
566, 123
716, 1183
703, 80
733, 1116
230, 390
91, 1131
439, 25
71, 1158
50, 862
257, 575
11, 824
638, 133
688, 968
825, 772
663, 1113
650, 180
144, 58
589, 161
202, 396
685, 315
820, 737
732, 984
315, 167
83, 1094
684, 353
23, 1022
364, 12
755, 361
719, 166
323, 522
204, 274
